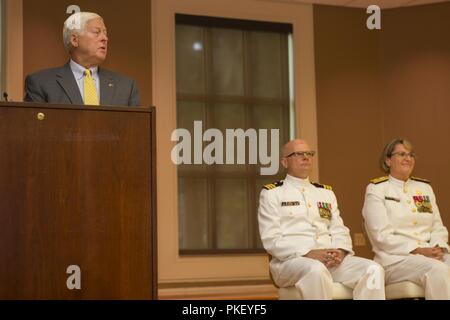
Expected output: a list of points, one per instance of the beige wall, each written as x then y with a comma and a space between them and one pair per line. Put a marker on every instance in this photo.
14, 50
348, 108
375, 85
415, 89
129, 32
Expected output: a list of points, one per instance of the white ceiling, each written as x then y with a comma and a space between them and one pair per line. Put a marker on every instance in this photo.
383, 4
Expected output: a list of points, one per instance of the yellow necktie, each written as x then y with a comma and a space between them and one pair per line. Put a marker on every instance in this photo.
90, 93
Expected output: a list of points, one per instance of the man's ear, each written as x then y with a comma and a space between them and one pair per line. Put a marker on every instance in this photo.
74, 40
284, 163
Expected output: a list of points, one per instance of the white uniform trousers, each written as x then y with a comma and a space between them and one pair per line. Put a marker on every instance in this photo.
315, 281
433, 275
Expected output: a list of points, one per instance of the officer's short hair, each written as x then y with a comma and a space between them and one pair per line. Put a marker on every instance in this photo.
389, 149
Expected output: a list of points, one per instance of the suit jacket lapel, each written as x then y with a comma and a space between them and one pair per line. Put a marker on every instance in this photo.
67, 81
106, 87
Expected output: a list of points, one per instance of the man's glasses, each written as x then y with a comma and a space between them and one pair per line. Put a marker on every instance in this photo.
403, 155
301, 154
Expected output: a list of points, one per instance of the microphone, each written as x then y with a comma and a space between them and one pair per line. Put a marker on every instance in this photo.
5, 96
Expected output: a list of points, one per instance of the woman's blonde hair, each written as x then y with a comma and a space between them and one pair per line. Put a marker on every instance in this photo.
389, 149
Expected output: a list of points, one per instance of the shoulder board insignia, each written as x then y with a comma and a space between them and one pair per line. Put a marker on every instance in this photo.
273, 185
420, 180
319, 185
379, 180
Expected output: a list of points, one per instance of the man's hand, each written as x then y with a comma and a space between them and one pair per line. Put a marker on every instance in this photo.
338, 255
329, 257
434, 253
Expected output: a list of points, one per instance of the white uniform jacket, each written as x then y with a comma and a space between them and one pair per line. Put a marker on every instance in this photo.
400, 217
296, 216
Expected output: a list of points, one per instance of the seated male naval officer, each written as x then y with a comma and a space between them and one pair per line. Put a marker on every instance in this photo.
302, 230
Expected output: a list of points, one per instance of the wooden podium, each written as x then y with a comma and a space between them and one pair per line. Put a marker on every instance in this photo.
77, 188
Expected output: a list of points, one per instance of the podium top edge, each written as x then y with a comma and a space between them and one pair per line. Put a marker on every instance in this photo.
38, 105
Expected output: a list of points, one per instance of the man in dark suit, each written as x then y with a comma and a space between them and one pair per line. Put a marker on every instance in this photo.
81, 81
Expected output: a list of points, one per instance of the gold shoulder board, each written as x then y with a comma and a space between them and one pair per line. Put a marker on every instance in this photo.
420, 180
324, 186
273, 185
379, 180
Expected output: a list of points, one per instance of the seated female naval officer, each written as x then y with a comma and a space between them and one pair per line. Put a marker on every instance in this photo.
302, 230
404, 225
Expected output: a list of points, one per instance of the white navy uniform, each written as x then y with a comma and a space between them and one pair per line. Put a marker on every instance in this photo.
296, 216
400, 217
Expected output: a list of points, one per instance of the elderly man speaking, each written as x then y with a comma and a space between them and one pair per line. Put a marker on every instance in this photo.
302, 230
81, 80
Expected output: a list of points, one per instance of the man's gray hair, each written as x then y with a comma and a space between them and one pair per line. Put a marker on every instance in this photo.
389, 149
76, 23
